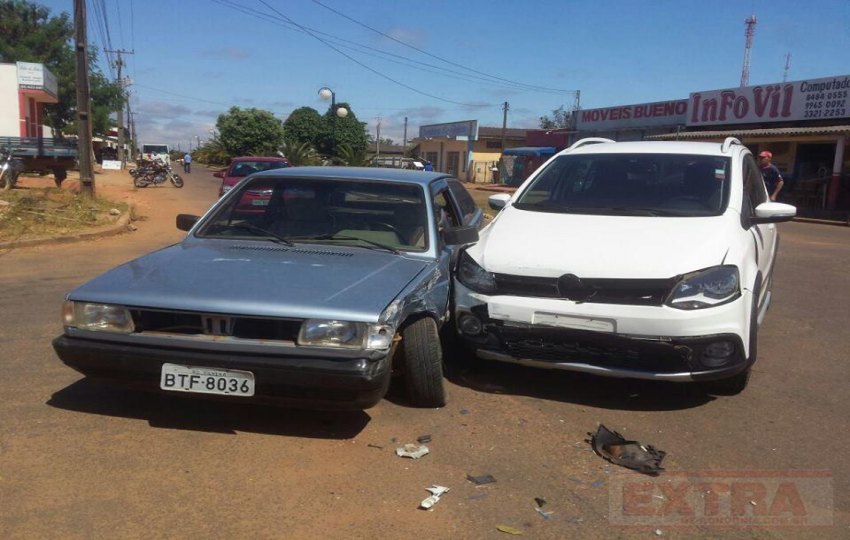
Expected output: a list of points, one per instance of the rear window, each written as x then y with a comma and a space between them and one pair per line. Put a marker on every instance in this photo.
631, 184
244, 168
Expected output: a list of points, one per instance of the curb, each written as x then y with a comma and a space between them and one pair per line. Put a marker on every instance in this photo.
118, 227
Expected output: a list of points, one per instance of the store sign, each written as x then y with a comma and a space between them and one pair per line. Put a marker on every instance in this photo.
813, 99
643, 115
467, 129
37, 77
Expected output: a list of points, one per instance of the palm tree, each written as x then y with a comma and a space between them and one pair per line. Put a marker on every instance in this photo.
352, 157
299, 154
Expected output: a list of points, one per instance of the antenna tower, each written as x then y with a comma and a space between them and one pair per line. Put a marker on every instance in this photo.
748, 45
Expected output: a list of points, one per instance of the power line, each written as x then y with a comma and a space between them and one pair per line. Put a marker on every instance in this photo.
415, 48
182, 95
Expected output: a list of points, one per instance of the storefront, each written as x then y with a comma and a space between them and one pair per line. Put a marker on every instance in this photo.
24, 90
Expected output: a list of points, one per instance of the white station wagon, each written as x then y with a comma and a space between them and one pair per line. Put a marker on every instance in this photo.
649, 260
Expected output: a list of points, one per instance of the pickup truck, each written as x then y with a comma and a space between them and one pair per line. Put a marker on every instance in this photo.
43, 155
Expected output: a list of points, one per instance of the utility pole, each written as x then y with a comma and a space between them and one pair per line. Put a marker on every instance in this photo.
505, 108
133, 132
84, 144
378, 140
404, 144
119, 115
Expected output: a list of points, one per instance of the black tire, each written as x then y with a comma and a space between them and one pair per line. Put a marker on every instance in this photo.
7, 180
177, 180
421, 361
139, 182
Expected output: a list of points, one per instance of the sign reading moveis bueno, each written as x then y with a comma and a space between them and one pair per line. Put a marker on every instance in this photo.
813, 99
660, 113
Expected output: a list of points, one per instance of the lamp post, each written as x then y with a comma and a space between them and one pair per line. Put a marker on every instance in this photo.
326, 94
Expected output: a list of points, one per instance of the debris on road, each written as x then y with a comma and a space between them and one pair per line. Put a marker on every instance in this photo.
370, 445
508, 529
613, 447
464, 411
659, 532
540, 501
480, 495
412, 451
546, 515
481, 480
422, 439
436, 492
598, 483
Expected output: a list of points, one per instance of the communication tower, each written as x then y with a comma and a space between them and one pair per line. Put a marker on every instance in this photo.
748, 45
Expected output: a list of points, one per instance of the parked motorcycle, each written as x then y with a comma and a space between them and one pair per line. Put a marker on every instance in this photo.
10, 168
154, 173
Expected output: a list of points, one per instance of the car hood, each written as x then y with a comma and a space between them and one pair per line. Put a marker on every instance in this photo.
548, 245
262, 279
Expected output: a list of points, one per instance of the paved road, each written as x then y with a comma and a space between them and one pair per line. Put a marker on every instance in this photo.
80, 460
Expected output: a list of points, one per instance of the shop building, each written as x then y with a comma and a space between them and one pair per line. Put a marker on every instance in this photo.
24, 90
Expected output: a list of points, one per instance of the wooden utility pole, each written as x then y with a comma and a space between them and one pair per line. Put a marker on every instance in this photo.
505, 108
404, 151
84, 144
378, 140
119, 114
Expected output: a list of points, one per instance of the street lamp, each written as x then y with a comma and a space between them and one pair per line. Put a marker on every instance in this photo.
327, 94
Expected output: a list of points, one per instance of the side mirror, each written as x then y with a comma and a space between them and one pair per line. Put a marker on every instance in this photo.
498, 201
219, 174
458, 236
185, 222
773, 212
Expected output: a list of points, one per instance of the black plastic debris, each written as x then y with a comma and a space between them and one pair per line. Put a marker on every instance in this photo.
481, 480
540, 501
613, 447
422, 439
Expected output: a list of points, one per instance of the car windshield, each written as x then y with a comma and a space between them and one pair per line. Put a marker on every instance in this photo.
631, 184
244, 168
372, 215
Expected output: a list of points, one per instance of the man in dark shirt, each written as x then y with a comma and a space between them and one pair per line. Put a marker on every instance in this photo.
772, 178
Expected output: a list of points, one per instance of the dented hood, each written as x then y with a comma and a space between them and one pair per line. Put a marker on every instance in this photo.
258, 278
543, 244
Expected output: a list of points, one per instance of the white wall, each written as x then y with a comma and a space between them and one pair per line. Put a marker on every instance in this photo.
10, 125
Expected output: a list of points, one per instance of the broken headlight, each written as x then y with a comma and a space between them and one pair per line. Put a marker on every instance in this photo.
474, 277
706, 288
97, 317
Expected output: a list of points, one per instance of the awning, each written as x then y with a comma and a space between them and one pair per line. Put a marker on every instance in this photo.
529, 151
767, 132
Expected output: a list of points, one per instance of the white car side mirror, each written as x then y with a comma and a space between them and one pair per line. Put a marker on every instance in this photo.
773, 212
498, 201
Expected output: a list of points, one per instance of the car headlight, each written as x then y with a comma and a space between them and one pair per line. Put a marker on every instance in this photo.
97, 317
706, 288
345, 334
474, 277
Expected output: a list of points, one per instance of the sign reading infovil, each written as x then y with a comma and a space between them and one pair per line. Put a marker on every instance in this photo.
660, 113
812, 99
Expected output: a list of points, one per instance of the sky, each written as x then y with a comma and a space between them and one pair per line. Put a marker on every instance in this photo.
438, 61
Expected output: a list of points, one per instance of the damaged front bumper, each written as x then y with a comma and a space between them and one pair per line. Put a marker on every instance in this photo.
639, 342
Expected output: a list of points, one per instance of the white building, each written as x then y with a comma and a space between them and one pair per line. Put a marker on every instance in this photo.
24, 89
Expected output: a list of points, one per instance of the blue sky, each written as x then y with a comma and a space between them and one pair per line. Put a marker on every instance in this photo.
196, 58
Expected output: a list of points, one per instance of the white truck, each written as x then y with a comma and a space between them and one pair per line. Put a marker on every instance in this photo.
157, 152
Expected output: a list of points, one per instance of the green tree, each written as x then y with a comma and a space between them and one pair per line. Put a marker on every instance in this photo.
249, 132
560, 119
303, 126
31, 34
299, 154
351, 157
338, 132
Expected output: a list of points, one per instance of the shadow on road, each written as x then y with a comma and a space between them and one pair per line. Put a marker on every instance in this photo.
193, 414
579, 388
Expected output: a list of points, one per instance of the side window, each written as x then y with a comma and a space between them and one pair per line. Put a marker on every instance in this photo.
754, 191
446, 215
463, 198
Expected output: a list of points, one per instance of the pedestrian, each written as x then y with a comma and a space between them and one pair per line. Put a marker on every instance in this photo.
187, 163
428, 166
772, 177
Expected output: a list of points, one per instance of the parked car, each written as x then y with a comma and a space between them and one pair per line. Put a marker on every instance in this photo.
342, 279
240, 167
649, 260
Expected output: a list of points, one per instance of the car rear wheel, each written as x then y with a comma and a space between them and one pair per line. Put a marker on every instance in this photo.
421, 361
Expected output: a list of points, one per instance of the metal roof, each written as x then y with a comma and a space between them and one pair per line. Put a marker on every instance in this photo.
357, 173
765, 132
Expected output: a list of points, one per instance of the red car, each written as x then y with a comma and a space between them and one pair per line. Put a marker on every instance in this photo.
241, 167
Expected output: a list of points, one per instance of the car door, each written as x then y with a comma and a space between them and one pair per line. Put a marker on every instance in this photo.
765, 235
446, 214
472, 215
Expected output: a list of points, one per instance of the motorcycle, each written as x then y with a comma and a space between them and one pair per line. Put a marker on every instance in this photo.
155, 173
10, 168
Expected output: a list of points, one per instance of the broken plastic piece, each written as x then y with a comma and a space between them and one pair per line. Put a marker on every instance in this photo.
546, 515
613, 447
508, 529
540, 501
413, 451
481, 480
436, 493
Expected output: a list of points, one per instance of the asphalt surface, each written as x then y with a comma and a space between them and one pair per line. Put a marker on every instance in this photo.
80, 459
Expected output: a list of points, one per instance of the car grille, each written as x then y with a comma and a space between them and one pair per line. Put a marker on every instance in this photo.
201, 324
641, 292
562, 345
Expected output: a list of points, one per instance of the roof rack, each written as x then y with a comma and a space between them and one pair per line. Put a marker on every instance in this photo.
727, 144
588, 140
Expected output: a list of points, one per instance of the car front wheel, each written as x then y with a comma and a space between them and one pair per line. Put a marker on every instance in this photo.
421, 361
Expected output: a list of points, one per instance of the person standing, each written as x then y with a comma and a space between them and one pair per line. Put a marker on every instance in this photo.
187, 163
772, 178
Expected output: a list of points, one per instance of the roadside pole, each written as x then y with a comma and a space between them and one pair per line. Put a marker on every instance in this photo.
84, 143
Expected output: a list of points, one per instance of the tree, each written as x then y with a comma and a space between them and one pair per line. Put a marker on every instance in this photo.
352, 158
560, 119
31, 34
303, 126
385, 141
249, 132
338, 132
299, 154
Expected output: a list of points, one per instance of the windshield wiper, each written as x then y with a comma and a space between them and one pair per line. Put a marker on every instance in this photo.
546, 206
372, 243
637, 211
274, 237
